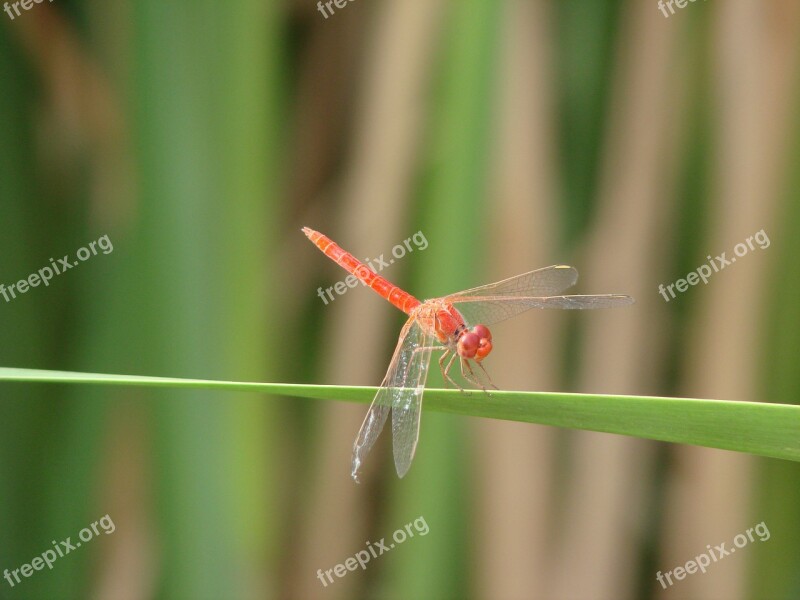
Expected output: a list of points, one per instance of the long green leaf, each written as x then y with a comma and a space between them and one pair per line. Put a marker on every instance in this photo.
757, 428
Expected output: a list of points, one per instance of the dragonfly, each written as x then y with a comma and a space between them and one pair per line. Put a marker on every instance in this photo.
458, 326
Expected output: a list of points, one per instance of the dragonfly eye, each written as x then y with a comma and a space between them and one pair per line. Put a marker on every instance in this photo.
484, 347
484, 341
468, 345
482, 331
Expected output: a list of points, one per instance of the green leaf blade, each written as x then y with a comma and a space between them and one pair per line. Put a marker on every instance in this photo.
757, 428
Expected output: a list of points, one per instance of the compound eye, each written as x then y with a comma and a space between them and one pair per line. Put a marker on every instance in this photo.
468, 345
482, 331
484, 347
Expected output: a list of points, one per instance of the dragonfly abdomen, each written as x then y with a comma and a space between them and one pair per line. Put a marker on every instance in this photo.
402, 300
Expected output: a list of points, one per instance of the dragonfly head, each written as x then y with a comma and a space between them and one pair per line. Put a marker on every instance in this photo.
475, 343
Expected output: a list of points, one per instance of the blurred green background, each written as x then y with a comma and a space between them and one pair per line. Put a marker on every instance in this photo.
514, 134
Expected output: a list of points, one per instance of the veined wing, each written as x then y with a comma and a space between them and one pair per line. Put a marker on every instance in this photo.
493, 309
400, 392
549, 281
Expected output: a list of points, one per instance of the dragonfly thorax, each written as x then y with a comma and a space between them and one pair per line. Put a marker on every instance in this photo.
451, 330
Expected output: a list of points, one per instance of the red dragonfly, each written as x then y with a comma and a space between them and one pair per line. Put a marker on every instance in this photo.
456, 324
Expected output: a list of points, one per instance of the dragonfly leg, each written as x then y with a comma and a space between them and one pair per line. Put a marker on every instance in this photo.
431, 348
446, 370
472, 378
444, 355
421, 348
489, 377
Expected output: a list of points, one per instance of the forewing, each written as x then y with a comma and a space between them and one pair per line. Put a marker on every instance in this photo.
399, 392
493, 309
548, 281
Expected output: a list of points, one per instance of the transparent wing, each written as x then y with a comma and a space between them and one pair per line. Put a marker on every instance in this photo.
400, 392
493, 309
407, 402
548, 281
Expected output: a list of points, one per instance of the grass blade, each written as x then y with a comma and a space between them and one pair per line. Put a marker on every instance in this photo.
756, 428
